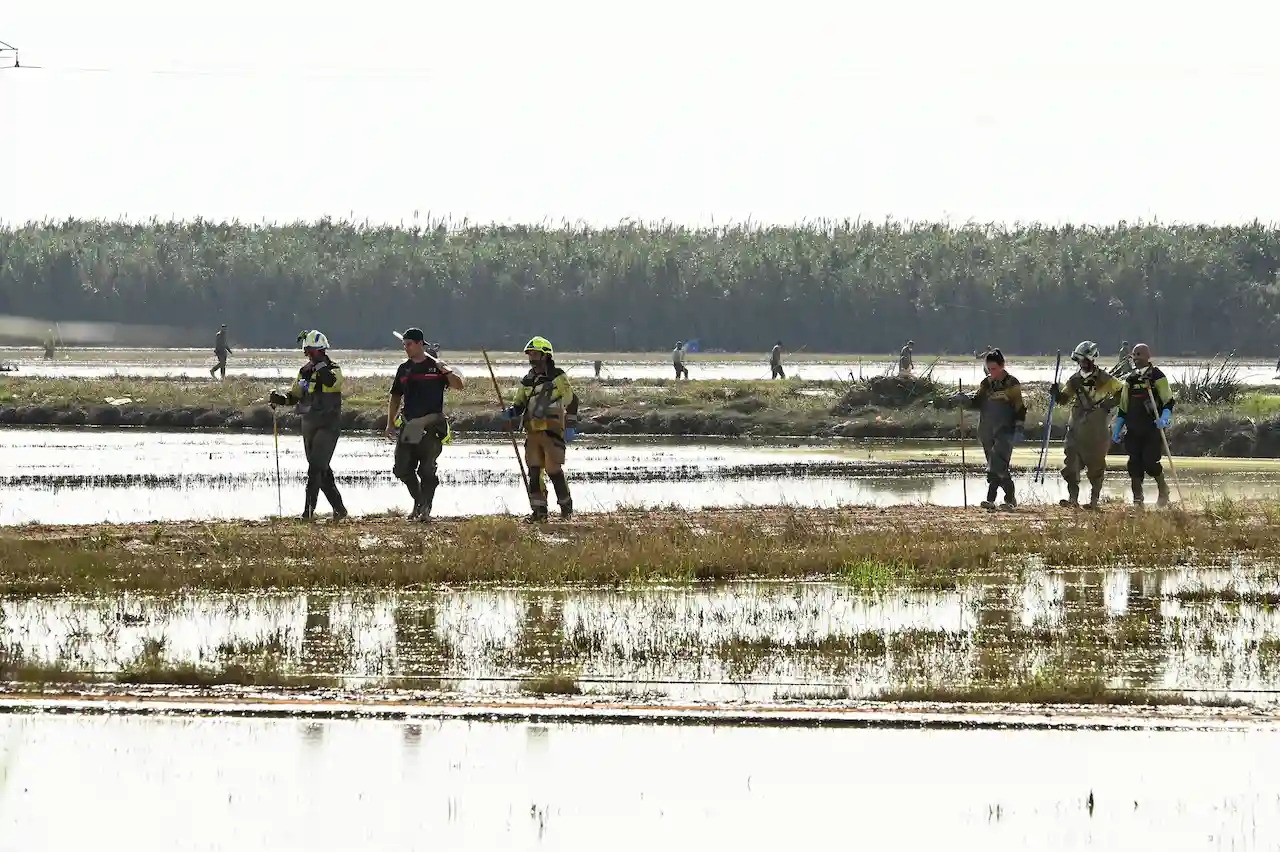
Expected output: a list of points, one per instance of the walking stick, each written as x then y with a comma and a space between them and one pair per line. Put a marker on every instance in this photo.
964, 467
1038, 475
1164, 439
498, 391
275, 431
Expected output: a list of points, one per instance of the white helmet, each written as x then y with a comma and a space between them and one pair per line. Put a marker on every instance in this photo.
1087, 350
313, 340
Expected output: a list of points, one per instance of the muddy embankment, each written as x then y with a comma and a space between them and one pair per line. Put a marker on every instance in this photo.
1225, 435
880, 408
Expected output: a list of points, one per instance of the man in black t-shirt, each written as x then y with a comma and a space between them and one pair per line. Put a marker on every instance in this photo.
415, 420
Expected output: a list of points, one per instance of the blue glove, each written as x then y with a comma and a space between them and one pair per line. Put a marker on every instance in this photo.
508, 414
570, 434
1163, 422
1115, 430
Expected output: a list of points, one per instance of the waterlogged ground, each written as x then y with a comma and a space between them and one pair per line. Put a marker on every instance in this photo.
1200, 632
100, 475
285, 784
282, 363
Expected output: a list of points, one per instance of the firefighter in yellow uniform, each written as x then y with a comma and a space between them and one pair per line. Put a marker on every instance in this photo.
542, 405
1092, 393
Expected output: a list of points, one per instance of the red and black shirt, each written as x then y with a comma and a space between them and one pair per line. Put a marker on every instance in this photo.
422, 386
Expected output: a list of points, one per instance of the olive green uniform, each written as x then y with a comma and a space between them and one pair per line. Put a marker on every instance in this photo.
1088, 436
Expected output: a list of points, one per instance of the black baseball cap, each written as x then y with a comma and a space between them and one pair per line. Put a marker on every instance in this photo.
413, 334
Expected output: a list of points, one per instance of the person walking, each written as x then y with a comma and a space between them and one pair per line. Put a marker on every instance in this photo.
317, 394
1146, 408
416, 421
220, 350
905, 362
541, 405
999, 398
775, 362
677, 360
1091, 393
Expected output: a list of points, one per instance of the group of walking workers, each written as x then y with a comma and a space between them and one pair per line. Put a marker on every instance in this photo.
1141, 398
544, 406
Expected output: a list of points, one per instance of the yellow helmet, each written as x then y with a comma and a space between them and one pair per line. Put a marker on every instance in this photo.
539, 344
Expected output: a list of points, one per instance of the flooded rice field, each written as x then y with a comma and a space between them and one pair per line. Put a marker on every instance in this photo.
101, 475
282, 363
285, 784
1211, 632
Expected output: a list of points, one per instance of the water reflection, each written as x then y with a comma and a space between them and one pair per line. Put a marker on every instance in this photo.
759, 640
90, 476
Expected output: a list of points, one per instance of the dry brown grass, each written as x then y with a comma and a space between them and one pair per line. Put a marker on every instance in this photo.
932, 547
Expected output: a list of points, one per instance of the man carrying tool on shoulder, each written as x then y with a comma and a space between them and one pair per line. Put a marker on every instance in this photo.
1092, 393
416, 421
1146, 407
542, 405
317, 393
999, 398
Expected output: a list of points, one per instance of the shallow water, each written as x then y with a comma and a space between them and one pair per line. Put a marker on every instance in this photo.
273, 785
752, 641
282, 363
96, 475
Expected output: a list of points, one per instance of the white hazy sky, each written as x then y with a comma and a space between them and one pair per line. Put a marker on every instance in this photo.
988, 110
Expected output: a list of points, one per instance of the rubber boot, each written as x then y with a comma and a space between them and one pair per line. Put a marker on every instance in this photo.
1073, 495
538, 515
1095, 495
563, 498
422, 511
313, 495
990, 502
1135, 485
331, 493
1010, 501
415, 493
1162, 490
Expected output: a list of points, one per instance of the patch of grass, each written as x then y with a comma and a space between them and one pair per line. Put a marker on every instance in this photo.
1036, 691
1269, 600
552, 684
907, 547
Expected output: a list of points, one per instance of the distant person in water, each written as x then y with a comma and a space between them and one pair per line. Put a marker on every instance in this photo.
220, 350
905, 361
775, 362
598, 365
677, 360
48, 346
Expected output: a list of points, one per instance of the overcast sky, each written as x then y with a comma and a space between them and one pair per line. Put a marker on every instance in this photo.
989, 110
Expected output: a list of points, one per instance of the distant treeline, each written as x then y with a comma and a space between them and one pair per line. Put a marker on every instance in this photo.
828, 287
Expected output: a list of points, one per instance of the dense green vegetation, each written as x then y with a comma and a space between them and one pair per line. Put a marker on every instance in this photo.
835, 287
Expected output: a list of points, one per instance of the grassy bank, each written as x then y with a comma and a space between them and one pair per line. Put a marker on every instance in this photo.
879, 409
923, 547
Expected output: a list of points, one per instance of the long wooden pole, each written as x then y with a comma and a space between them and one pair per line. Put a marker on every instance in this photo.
498, 392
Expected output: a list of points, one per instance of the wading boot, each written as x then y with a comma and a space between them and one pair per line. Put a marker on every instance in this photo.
422, 511
538, 515
990, 503
1162, 491
566, 507
309, 511
1135, 485
1010, 501
1095, 494
1073, 497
